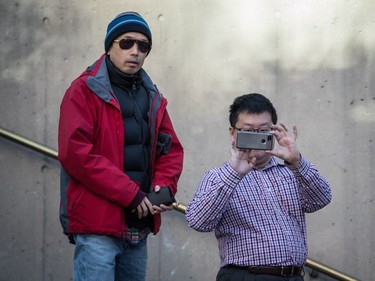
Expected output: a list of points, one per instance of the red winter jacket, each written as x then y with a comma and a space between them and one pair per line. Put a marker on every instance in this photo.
94, 188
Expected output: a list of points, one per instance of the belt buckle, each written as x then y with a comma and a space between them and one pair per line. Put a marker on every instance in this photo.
284, 274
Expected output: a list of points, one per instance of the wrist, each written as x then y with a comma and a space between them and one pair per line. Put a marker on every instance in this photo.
294, 162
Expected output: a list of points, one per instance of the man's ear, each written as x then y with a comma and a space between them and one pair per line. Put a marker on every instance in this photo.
231, 132
109, 49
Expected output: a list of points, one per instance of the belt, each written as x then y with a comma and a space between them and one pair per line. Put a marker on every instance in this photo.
271, 270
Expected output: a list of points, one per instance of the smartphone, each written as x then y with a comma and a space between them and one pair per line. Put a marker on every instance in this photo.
164, 196
254, 140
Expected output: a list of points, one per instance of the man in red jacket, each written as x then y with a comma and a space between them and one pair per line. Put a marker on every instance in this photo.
116, 146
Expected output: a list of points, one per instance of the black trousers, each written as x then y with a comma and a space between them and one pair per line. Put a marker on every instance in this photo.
235, 274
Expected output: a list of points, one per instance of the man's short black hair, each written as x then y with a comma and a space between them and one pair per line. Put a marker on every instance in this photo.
251, 103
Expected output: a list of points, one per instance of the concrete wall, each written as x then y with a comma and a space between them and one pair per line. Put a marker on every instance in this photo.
314, 59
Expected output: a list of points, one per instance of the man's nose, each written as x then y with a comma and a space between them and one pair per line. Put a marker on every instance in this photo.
134, 49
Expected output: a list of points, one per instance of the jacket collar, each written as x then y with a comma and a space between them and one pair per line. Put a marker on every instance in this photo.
98, 80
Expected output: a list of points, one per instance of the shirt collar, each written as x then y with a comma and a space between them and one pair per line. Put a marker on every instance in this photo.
272, 163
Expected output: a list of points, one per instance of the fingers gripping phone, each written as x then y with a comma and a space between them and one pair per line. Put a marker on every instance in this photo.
255, 140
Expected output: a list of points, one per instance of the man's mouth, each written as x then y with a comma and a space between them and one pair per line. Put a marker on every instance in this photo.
132, 62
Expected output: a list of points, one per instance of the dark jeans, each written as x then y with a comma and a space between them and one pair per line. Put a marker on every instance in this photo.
235, 274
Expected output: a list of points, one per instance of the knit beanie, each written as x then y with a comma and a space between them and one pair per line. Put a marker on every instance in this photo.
126, 22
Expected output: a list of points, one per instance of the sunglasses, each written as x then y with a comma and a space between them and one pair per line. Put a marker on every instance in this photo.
128, 43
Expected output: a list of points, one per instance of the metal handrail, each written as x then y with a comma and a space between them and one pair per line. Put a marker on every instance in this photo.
180, 207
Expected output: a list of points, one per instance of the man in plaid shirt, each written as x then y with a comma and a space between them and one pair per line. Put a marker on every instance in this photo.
256, 202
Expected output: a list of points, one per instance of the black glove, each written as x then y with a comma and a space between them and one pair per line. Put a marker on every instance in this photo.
163, 144
164, 196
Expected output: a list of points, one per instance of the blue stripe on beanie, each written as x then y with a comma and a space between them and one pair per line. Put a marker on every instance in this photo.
126, 22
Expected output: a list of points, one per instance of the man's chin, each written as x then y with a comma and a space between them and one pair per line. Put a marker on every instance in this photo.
130, 70
262, 159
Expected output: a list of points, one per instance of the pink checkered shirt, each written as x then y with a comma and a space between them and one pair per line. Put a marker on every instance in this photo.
259, 219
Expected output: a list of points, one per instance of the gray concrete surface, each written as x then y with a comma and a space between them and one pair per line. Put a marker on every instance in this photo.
313, 59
